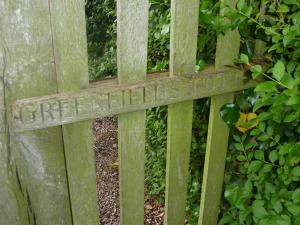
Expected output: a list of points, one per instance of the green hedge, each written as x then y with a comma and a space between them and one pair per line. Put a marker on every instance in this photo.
262, 177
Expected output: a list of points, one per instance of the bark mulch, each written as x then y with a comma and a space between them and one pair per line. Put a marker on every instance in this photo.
106, 153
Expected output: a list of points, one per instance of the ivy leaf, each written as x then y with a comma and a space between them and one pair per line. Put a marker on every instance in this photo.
278, 70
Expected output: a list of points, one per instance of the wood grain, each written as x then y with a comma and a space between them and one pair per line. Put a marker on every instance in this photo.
228, 46
35, 159
132, 42
71, 67
108, 98
184, 30
8, 204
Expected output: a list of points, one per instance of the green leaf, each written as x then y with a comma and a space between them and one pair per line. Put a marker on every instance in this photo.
273, 156
244, 59
294, 209
241, 4
256, 71
267, 86
270, 188
296, 195
259, 154
278, 70
283, 8
259, 210
239, 146
296, 18
241, 158
293, 100
254, 166
165, 29
278, 207
296, 171
226, 219
291, 2
230, 113
282, 222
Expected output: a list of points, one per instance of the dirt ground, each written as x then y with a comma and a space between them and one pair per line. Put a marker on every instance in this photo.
106, 153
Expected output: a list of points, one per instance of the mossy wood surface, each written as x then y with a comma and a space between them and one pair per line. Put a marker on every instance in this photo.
47, 176
34, 161
71, 67
217, 140
132, 66
184, 30
43, 56
8, 203
108, 98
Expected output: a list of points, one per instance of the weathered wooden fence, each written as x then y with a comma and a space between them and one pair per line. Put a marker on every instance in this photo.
47, 172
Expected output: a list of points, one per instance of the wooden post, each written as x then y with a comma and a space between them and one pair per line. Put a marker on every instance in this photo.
35, 160
70, 55
184, 30
45, 52
217, 141
132, 66
8, 204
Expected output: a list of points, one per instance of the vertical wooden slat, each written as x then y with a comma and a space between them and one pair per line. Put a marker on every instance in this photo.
8, 203
35, 159
70, 57
217, 141
184, 29
132, 66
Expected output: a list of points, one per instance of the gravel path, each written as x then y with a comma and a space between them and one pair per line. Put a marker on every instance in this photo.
106, 153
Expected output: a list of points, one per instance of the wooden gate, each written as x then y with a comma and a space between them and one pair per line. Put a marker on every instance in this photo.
47, 172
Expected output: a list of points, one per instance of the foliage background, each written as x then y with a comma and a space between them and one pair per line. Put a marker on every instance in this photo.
262, 177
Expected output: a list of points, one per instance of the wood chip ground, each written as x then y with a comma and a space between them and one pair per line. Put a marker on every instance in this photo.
106, 153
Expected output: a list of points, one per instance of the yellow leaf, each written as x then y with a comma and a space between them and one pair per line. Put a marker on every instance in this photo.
242, 125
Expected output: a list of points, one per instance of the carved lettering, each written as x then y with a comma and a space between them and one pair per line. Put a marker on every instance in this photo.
160, 92
50, 111
83, 105
68, 108
137, 96
115, 100
126, 98
101, 101
31, 114
149, 96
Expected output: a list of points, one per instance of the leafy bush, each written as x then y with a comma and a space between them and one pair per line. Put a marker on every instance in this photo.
263, 171
262, 177
101, 35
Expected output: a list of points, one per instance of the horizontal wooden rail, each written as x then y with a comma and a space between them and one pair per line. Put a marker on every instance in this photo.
108, 98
